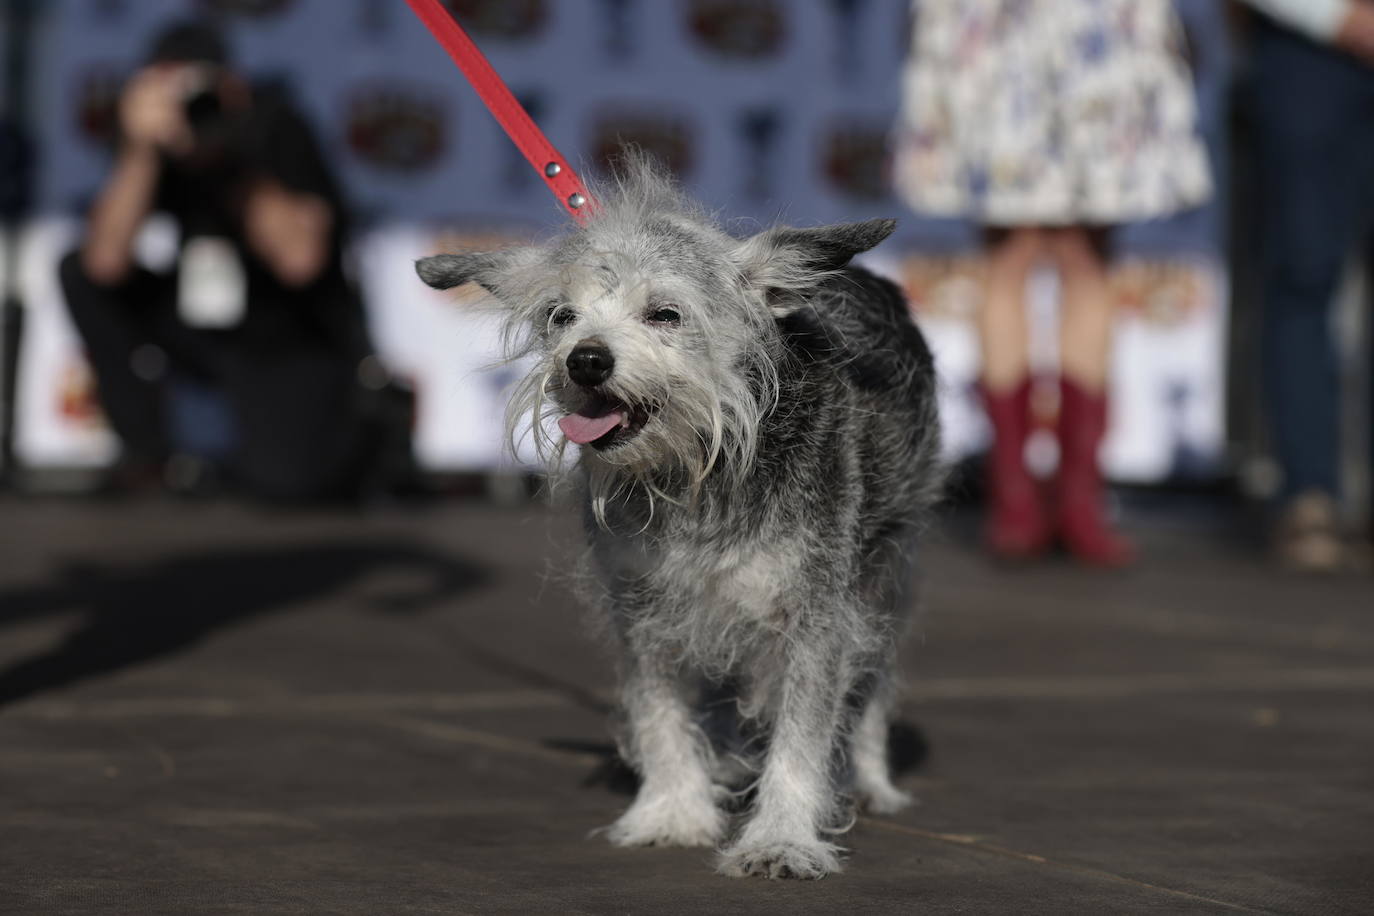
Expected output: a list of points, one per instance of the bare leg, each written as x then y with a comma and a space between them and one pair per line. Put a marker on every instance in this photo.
796, 793
676, 802
1085, 349
1085, 326
1002, 324
1016, 527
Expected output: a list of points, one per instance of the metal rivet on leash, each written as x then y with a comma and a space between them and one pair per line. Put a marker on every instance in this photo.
503, 105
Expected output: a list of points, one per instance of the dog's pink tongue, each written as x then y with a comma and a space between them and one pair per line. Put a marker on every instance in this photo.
582, 429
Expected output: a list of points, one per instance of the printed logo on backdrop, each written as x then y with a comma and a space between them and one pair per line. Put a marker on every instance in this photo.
509, 20
78, 404
95, 103
108, 12
253, 9
854, 158
758, 130
944, 287
375, 18
1163, 293
397, 127
665, 136
748, 30
905, 31
848, 14
617, 34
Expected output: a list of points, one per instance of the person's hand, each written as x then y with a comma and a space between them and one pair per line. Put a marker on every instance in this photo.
151, 112
1356, 33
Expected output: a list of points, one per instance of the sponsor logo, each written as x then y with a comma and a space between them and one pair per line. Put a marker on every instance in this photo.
96, 104
1165, 293
943, 286
375, 18
109, 11
847, 16
759, 129
854, 158
1162, 293
740, 29
510, 20
396, 127
663, 135
250, 8
77, 402
616, 32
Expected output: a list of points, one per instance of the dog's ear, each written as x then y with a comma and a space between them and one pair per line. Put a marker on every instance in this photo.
786, 260
831, 247
445, 271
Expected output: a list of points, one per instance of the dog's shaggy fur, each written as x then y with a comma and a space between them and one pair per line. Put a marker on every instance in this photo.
760, 441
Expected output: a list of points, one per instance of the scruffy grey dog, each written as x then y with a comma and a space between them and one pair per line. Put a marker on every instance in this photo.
758, 452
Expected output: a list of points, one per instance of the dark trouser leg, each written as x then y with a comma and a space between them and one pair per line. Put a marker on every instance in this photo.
1314, 109
299, 427
114, 322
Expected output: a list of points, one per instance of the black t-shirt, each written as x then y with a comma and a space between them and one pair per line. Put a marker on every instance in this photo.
272, 140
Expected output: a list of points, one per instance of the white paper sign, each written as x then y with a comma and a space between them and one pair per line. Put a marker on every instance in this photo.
212, 291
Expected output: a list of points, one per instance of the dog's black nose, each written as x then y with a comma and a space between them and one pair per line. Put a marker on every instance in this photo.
590, 363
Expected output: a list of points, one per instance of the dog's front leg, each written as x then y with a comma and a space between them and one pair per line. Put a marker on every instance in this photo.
796, 796
676, 803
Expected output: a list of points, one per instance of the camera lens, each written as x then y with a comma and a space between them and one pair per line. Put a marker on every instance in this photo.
203, 108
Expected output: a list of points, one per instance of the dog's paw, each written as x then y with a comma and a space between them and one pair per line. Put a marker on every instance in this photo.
885, 799
669, 822
780, 859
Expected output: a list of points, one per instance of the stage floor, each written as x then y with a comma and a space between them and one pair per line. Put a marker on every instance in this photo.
217, 709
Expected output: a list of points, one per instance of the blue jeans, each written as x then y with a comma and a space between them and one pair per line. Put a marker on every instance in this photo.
1314, 111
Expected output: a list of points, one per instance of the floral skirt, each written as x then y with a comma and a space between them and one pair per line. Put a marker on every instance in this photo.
1049, 112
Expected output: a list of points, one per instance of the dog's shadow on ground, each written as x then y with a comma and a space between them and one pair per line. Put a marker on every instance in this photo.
132, 615
907, 750
907, 745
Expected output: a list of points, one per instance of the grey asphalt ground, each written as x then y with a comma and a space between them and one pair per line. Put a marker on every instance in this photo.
211, 708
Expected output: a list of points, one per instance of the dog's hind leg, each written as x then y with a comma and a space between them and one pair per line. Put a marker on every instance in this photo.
676, 802
733, 740
796, 794
868, 751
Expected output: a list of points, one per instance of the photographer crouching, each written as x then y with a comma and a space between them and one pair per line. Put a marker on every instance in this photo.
258, 309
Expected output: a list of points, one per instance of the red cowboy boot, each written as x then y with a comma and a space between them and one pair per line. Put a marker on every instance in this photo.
1079, 515
1017, 527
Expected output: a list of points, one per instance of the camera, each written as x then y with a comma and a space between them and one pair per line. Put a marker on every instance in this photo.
201, 101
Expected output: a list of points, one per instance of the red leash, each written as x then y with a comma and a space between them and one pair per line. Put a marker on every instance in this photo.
513, 118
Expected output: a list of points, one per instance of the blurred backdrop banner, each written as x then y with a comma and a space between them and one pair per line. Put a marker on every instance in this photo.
766, 109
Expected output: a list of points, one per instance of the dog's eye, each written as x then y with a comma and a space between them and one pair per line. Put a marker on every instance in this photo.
561, 315
665, 314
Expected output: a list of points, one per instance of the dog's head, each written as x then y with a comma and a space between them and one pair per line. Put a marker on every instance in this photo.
656, 332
